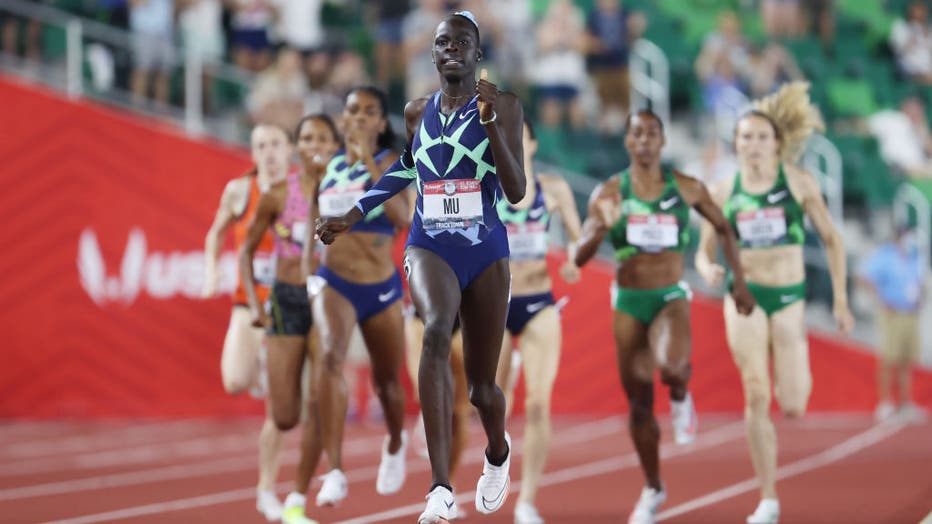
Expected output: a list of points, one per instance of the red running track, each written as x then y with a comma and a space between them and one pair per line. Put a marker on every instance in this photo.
835, 468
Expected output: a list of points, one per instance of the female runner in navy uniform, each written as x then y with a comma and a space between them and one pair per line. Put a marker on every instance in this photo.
464, 150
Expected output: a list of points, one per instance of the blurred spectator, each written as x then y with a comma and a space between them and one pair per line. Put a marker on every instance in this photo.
560, 69
10, 27
714, 164
820, 15
912, 42
905, 138
610, 30
895, 273
249, 33
772, 67
727, 40
279, 93
782, 18
349, 71
322, 97
513, 54
419, 28
201, 26
151, 24
299, 25
389, 36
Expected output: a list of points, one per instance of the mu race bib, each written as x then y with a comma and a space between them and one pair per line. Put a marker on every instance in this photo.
452, 204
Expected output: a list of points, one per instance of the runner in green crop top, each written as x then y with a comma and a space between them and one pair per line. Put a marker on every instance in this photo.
645, 213
765, 203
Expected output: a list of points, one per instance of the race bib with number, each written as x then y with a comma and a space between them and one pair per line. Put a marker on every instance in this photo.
452, 204
653, 233
263, 270
527, 241
334, 203
298, 230
762, 226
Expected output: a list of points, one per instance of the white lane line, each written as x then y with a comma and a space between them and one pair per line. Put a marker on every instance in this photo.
103, 436
838, 452
579, 433
352, 447
713, 438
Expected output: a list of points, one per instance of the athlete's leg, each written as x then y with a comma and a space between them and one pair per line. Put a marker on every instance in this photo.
286, 357
335, 317
384, 334
312, 443
671, 342
792, 377
749, 340
461, 406
636, 366
540, 346
239, 363
483, 312
503, 374
270, 448
436, 294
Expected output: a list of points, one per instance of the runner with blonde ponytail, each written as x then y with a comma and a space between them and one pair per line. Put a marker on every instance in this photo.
765, 202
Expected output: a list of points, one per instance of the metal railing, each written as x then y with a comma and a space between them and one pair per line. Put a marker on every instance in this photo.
650, 78
67, 72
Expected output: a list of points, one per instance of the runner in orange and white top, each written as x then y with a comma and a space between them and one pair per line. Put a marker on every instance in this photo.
243, 350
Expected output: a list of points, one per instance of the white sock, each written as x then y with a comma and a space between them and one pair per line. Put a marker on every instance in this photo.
295, 499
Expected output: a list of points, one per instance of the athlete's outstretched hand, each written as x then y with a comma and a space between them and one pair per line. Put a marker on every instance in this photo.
843, 318
259, 318
744, 300
328, 228
488, 93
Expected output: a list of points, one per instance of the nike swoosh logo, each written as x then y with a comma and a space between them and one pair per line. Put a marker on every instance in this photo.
536, 306
463, 115
449, 505
670, 296
776, 197
668, 203
534, 214
491, 504
786, 299
384, 297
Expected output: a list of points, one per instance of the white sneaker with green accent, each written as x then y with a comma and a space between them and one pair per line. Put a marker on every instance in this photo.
440, 505
492, 489
334, 488
268, 504
645, 511
294, 510
685, 421
767, 512
392, 468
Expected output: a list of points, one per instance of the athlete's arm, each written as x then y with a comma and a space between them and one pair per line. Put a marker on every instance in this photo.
698, 197
397, 177
396, 209
224, 218
710, 271
265, 215
566, 208
810, 196
309, 261
602, 203
505, 137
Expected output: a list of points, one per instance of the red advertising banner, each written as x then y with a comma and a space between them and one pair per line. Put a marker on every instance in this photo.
104, 220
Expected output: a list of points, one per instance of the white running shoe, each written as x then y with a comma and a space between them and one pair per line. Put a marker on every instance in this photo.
456, 513
526, 513
767, 512
492, 489
334, 488
294, 510
440, 505
268, 504
685, 421
392, 468
885, 410
645, 511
